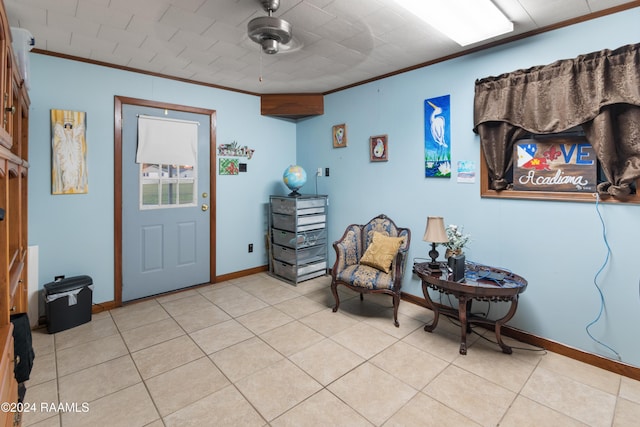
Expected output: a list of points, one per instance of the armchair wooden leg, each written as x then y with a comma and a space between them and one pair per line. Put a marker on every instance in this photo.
361, 297
396, 303
334, 291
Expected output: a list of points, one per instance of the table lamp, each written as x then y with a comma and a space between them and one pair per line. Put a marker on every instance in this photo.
435, 233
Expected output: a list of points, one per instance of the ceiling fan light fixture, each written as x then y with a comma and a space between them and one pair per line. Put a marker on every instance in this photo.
270, 46
269, 31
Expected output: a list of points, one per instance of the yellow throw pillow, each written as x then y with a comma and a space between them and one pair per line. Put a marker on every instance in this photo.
381, 251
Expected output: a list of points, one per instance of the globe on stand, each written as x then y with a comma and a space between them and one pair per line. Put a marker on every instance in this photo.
294, 177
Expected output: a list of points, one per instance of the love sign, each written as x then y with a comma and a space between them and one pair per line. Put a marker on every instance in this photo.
555, 164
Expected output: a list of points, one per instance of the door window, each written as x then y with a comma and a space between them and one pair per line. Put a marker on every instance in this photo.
167, 186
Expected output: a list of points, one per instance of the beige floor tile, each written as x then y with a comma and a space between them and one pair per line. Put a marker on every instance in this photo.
245, 358
264, 320
221, 335
470, 395
200, 319
630, 389
36, 396
300, 306
409, 364
43, 370
587, 374
488, 361
86, 332
384, 322
224, 408
324, 296
257, 280
42, 342
369, 307
242, 304
278, 388
376, 403
575, 399
93, 353
177, 295
418, 312
321, 410
442, 345
53, 421
185, 385
138, 314
98, 381
328, 323
524, 352
313, 285
220, 294
326, 361
364, 339
109, 410
272, 293
289, 366
627, 414
291, 338
423, 411
165, 356
151, 334
180, 306
527, 413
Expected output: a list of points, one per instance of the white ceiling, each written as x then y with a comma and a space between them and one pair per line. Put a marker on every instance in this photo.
336, 42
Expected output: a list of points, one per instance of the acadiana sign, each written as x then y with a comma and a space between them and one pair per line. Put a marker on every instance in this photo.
555, 164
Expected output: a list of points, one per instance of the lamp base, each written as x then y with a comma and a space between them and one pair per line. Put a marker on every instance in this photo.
434, 265
433, 254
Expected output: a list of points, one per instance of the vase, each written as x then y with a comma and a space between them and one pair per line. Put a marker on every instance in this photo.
451, 252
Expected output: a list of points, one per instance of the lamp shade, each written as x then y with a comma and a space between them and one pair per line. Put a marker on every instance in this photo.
435, 231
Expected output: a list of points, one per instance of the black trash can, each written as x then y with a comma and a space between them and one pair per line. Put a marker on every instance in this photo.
68, 302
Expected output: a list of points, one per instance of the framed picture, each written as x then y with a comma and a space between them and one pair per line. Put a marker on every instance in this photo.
378, 149
339, 133
437, 137
228, 166
68, 152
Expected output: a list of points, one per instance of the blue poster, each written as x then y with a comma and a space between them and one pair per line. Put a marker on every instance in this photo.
437, 137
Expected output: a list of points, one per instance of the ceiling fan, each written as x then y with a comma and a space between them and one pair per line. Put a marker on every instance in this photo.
269, 31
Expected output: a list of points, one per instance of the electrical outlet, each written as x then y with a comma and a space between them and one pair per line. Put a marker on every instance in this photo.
250, 247
326, 171
319, 173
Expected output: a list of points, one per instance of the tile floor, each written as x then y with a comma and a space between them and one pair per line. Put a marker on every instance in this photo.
257, 351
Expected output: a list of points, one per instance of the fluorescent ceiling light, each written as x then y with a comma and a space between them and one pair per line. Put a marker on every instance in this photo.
464, 21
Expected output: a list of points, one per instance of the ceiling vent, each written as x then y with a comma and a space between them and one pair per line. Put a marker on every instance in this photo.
269, 31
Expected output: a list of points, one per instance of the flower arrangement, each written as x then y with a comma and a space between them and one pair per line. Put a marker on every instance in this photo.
457, 239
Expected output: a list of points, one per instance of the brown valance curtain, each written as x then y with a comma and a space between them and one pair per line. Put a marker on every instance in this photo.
600, 91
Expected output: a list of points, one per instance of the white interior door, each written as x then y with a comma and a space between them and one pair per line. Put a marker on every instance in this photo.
165, 222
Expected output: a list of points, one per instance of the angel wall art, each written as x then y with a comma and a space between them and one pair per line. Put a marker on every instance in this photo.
69, 153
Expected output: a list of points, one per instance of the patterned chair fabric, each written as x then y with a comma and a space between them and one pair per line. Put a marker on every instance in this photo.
361, 278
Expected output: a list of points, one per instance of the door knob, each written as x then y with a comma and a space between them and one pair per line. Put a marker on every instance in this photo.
205, 207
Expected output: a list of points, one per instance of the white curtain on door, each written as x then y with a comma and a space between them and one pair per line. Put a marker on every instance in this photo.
167, 141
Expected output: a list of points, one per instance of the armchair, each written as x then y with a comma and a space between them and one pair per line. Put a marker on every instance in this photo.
371, 258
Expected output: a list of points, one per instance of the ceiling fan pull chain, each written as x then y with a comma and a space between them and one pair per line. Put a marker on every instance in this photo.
260, 71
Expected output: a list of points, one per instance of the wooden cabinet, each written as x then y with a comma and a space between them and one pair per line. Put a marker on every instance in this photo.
14, 167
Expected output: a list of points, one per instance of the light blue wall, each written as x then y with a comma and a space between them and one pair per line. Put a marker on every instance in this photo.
75, 233
557, 246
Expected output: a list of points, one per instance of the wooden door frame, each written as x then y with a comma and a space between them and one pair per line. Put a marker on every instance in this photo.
119, 101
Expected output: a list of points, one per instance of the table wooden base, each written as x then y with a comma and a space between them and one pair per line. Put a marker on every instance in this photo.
463, 314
